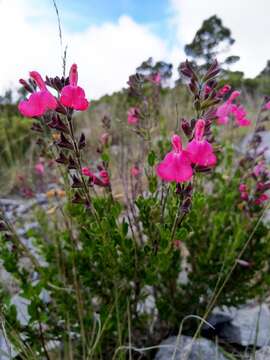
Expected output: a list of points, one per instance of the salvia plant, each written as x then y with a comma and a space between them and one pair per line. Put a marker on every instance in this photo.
172, 225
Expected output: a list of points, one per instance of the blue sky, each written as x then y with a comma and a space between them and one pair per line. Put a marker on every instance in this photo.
78, 15
108, 39
96, 12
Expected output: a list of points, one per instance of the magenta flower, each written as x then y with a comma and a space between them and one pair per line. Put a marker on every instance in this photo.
243, 192
228, 108
155, 79
267, 105
261, 199
224, 90
244, 195
40, 101
259, 169
133, 116
135, 171
104, 138
73, 96
86, 172
101, 178
224, 111
39, 168
104, 177
207, 89
176, 166
242, 188
234, 95
240, 115
200, 150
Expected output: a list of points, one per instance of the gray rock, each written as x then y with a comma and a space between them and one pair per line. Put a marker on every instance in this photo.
201, 349
218, 318
22, 308
6, 350
262, 354
28, 226
250, 326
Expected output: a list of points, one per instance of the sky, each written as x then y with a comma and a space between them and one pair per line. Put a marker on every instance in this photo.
108, 39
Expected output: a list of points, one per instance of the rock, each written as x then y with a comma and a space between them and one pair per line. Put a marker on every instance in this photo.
262, 354
22, 308
202, 349
218, 319
6, 350
28, 226
249, 325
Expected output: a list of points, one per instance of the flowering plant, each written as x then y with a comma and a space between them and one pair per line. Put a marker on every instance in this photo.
173, 236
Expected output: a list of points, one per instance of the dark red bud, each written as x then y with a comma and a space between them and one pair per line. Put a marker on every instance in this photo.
62, 159
77, 184
64, 142
82, 142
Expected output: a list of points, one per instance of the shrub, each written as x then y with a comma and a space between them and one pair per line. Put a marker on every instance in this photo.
171, 237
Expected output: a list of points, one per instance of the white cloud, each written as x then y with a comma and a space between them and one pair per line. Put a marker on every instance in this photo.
247, 19
105, 54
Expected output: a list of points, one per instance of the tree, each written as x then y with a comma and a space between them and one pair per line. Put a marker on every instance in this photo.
266, 70
264, 80
210, 40
149, 68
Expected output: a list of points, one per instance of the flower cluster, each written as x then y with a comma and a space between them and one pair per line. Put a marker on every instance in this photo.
177, 164
39, 102
255, 185
267, 106
56, 113
228, 108
256, 195
100, 178
133, 116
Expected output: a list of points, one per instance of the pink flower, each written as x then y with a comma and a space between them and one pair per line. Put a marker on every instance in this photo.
224, 110
86, 172
224, 90
260, 186
135, 171
73, 96
259, 169
228, 108
242, 187
234, 95
261, 199
156, 79
207, 89
133, 116
244, 195
40, 101
104, 138
176, 165
267, 105
104, 177
240, 115
101, 178
39, 168
200, 150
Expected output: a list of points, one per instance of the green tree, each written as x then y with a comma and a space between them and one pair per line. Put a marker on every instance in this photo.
150, 68
211, 39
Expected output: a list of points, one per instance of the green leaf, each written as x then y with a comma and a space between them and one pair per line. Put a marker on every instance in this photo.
151, 158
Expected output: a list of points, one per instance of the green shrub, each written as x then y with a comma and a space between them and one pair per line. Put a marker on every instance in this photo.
189, 246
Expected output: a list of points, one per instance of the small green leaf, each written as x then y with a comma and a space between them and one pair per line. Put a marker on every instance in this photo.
151, 158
